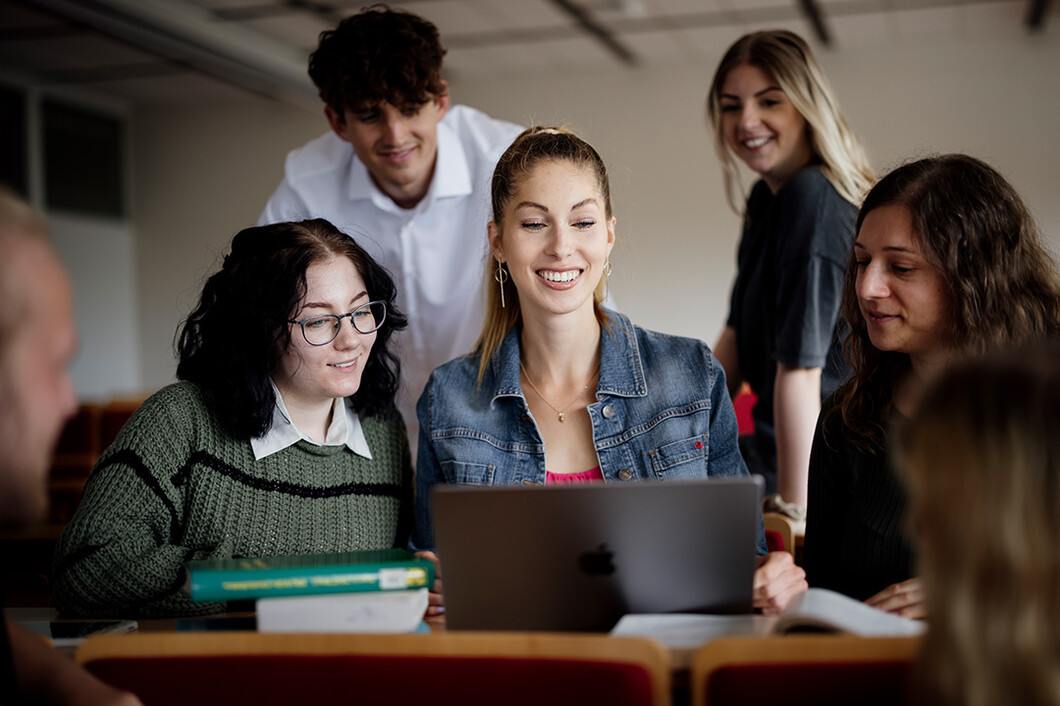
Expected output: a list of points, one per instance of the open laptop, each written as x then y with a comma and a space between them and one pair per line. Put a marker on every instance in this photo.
579, 557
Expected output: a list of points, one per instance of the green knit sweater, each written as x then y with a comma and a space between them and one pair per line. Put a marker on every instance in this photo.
174, 487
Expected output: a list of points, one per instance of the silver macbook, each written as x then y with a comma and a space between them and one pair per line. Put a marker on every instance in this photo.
579, 557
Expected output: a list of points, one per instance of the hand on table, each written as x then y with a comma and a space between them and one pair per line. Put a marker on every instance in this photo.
905, 598
435, 616
776, 581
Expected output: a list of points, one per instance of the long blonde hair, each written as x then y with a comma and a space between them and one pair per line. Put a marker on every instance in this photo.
532, 147
982, 459
19, 224
787, 58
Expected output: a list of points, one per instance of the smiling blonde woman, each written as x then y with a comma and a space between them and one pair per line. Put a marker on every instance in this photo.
559, 389
772, 108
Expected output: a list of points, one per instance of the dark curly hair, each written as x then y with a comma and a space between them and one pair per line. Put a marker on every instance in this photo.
1002, 284
234, 338
380, 55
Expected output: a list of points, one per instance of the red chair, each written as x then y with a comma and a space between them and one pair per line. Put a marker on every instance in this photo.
743, 403
446, 668
804, 670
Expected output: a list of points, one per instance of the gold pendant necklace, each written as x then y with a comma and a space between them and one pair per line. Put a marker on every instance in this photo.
560, 412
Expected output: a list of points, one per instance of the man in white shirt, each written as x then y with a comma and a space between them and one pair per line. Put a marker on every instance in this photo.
414, 188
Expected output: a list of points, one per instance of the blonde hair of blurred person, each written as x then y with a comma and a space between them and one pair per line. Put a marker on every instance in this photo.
38, 339
787, 58
982, 460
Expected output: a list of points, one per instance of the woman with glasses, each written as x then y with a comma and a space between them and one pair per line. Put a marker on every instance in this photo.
558, 389
281, 438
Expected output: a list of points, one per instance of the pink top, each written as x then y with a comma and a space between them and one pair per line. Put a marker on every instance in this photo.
589, 476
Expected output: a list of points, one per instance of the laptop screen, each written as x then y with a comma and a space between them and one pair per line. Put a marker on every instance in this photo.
579, 557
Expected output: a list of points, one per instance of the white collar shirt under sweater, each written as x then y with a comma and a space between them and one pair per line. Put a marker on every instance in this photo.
345, 428
435, 251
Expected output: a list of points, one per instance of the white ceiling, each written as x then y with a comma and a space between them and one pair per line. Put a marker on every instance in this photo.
179, 52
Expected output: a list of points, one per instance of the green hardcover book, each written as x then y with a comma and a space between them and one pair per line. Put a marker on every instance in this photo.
305, 574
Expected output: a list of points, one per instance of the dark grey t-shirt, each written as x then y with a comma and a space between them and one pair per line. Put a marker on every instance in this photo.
785, 300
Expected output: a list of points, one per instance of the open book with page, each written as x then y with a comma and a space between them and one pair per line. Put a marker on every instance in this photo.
819, 609
814, 610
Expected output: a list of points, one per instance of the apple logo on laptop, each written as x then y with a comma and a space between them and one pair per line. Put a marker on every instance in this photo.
597, 562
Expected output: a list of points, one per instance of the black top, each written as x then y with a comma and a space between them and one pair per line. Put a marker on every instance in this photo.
856, 540
785, 300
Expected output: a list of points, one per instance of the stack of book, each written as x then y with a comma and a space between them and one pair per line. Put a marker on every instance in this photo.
371, 591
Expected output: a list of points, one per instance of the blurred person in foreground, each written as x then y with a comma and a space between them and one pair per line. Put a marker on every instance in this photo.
38, 340
981, 457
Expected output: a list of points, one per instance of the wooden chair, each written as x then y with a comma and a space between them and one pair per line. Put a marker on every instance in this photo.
113, 417
445, 668
779, 529
797, 670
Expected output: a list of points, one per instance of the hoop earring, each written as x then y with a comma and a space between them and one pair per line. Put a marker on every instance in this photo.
501, 276
607, 267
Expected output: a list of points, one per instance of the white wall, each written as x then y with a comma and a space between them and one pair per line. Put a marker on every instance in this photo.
98, 253
998, 101
200, 175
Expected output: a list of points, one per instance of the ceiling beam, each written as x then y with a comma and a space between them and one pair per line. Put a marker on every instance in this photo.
1036, 15
601, 33
191, 36
813, 15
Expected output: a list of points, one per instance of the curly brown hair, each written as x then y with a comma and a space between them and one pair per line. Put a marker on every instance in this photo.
1002, 284
230, 343
380, 55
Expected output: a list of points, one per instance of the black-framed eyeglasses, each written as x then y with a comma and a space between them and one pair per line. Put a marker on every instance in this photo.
322, 330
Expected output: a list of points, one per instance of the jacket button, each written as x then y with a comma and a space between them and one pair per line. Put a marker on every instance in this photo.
625, 474
608, 412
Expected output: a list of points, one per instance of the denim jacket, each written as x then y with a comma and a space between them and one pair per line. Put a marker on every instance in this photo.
662, 412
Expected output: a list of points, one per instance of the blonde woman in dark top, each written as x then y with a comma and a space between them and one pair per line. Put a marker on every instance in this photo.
948, 263
772, 109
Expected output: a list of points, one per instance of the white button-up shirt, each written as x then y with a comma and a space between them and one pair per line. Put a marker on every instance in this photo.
435, 251
345, 428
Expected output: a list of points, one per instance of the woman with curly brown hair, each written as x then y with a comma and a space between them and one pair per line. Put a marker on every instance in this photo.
948, 263
280, 438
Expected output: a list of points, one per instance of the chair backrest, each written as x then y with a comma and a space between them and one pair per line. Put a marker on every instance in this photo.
744, 404
804, 669
780, 529
446, 668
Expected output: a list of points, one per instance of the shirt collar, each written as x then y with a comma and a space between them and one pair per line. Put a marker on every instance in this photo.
452, 175
345, 429
621, 368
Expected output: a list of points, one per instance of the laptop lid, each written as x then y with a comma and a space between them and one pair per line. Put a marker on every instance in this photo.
579, 557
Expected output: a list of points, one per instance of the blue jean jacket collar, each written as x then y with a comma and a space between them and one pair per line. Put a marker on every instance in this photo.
621, 369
